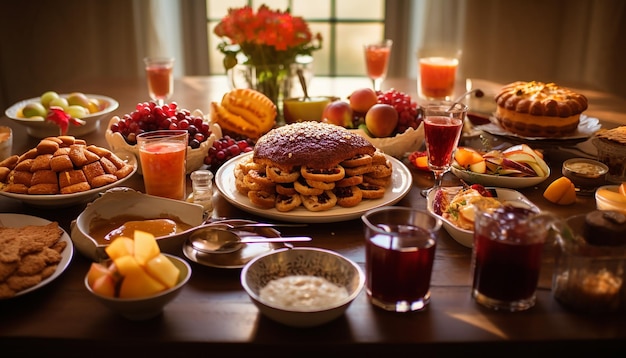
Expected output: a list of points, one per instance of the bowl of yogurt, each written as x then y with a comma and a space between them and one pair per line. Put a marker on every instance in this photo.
303, 286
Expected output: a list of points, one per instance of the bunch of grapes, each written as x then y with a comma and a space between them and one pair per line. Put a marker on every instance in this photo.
224, 149
148, 117
409, 113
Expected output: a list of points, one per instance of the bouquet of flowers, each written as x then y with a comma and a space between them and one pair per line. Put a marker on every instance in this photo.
269, 39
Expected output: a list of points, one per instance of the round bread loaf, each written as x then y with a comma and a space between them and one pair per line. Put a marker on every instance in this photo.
607, 228
536, 109
316, 145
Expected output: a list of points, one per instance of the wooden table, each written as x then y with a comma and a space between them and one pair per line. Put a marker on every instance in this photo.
213, 315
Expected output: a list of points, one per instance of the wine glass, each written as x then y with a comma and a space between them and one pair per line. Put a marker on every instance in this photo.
443, 122
160, 75
377, 60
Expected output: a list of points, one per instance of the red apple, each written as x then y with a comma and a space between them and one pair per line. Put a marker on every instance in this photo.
363, 99
381, 120
339, 113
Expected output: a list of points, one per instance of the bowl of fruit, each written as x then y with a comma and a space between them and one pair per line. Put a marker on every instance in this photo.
121, 134
390, 120
138, 281
83, 110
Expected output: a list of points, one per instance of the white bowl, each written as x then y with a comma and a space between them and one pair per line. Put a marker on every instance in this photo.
465, 237
195, 157
397, 146
302, 261
613, 202
125, 201
40, 128
146, 307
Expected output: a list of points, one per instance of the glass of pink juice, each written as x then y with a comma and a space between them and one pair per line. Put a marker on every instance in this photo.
399, 254
436, 77
376, 61
160, 76
443, 122
163, 162
506, 256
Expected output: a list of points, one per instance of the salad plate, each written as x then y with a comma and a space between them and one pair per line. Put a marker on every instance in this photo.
401, 182
465, 237
497, 180
20, 220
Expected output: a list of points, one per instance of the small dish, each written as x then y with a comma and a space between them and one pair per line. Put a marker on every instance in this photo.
40, 128
608, 197
239, 258
585, 173
398, 145
466, 237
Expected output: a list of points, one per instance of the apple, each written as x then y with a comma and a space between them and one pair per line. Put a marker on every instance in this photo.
339, 113
94, 105
381, 120
77, 111
479, 167
47, 97
363, 99
104, 285
523, 169
34, 109
59, 102
78, 99
96, 270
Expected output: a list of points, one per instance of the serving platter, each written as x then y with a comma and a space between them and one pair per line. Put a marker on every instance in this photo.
20, 220
586, 128
65, 200
466, 237
401, 181
503, 181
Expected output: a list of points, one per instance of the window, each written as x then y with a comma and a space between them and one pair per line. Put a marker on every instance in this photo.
345, 26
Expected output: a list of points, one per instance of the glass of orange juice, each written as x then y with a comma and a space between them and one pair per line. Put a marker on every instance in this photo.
160, 75
377, 61
162, 155
437, 74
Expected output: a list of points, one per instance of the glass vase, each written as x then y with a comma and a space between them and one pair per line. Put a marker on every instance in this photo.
271, 80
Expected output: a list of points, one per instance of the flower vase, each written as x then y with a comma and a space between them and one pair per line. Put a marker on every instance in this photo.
271, 80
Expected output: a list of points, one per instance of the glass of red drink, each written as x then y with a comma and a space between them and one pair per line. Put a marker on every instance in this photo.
377, 60
506, 256
443, 122
160, 75
162, 155
399, 254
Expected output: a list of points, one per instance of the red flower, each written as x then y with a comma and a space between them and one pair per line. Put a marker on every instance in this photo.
58, 116
265, 37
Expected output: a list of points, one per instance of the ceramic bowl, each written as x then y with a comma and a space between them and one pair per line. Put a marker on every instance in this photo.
125, 201
585, 173
399, 145
40, 128
143, 308
329, 265
195, 157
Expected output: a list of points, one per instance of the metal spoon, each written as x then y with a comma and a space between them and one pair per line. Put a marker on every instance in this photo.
251, 225
216, 241
479, 93
303, 83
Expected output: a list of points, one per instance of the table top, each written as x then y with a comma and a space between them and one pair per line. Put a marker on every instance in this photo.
213, 314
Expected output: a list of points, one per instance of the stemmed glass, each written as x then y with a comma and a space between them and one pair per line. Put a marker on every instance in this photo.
443, 122
160, 75
377, 60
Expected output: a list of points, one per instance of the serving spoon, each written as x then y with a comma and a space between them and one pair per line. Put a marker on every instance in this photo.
217, 241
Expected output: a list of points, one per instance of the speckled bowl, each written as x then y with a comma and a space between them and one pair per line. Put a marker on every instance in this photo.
302, 261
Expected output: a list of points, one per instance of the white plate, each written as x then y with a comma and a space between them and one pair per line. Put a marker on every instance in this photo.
586, 128
466, 237
497, 180
19, 220
65, 200
401, 181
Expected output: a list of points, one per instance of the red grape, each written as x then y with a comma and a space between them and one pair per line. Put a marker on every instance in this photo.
226, 148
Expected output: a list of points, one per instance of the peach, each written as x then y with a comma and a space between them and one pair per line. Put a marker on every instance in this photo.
104, 285
163, 270
121, 246
467, 156
96, 270
363, 99
339, 113
381, 120
146, 247
561, 191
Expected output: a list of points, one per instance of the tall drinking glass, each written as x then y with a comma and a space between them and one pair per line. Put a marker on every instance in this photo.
377, 61
160, 75
163, 162
443, 122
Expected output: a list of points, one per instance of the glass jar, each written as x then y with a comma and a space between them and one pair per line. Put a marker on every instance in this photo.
202, 194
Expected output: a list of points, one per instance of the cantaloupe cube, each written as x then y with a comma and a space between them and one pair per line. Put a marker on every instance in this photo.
163, 270
146, 247
121, 246
136, 281
561, 191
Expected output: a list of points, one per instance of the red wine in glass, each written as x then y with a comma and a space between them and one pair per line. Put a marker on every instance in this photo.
442, 136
